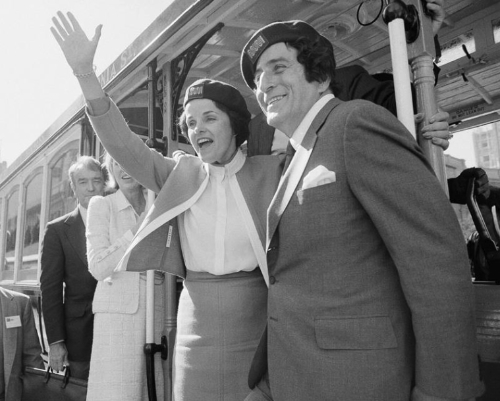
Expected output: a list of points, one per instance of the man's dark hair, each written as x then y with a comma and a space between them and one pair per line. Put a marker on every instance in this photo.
318, 61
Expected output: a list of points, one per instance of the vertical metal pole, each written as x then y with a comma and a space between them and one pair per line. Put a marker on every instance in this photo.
399, 55
151, 103
150, 306
168, 117
151, 142
170, 280
149, 348
421, 53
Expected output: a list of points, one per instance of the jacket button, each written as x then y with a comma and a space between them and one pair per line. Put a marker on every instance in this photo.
272, 279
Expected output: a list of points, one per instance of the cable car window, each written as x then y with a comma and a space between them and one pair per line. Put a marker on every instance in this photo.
474, 147
496, 30
135, 110
31, 233
61, 197
461, 46
10, 240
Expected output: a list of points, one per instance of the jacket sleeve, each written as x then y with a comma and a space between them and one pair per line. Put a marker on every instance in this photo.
397, 188
102, 254
146, 165
356, 83
51, 284
31, 344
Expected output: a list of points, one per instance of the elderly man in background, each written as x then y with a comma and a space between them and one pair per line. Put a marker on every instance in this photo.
66, 283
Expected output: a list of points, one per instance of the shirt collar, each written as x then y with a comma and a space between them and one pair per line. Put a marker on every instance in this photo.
300, 132
83, 213
230, 168
121, 201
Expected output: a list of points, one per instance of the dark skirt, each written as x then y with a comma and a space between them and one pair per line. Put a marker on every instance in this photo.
219, 325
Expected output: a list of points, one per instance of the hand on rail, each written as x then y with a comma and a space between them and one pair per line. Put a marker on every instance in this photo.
437, 130
436, 8
78, 50
482, 184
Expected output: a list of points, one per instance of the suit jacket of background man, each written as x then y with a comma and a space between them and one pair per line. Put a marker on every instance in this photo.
179, 183
354, 83
21, 346
67, 314
370, 287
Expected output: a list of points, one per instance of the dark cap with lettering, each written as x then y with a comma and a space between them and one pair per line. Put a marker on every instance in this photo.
271, 34
219, 92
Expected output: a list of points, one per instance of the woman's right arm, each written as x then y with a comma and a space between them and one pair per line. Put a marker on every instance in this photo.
147, 166
102, 254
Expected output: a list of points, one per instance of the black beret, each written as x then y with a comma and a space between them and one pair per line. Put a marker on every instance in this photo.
271, 34
219, 92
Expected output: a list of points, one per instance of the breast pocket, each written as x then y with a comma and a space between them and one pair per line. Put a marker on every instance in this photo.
320, 193
355, 333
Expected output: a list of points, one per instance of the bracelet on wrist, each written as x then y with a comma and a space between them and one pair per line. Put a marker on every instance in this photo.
86, 74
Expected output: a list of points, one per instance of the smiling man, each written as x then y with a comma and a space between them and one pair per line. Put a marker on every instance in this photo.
370, 296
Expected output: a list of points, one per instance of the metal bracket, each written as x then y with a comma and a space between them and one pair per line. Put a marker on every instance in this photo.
180, 67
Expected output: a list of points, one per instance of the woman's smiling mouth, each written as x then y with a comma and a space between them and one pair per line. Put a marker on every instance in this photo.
203, 142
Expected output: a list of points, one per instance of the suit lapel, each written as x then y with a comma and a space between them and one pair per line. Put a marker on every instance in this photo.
75, 232
293, 174
287, 186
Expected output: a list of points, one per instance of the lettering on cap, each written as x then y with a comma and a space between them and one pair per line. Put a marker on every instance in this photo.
255, 49
195, 92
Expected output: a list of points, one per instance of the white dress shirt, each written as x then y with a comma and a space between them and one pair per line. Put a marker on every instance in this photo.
214, 232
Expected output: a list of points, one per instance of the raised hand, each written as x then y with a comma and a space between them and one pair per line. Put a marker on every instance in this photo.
78, 50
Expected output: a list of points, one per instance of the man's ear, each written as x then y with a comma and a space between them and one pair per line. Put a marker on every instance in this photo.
325, 85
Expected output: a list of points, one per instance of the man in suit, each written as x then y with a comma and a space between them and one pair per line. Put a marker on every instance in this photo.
20, 344
370, 295
66, 283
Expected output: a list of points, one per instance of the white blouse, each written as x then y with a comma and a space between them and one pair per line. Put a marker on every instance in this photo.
109, 223
215, 232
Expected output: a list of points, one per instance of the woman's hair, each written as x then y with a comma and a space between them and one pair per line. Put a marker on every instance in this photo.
239, 124
318, 60
111, 183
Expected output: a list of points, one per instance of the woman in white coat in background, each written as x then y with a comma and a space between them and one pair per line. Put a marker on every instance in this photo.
117, 366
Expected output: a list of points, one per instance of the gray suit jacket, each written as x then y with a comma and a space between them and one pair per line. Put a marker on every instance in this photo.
21, 347
370, 287
178, 184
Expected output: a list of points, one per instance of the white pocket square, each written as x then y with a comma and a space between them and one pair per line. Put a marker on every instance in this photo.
318, 176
